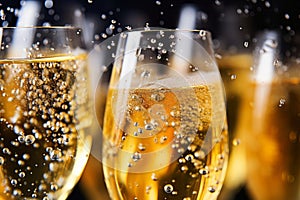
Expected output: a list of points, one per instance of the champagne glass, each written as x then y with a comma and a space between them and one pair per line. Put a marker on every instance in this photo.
165, 131
235, 60
273, 146
44, 112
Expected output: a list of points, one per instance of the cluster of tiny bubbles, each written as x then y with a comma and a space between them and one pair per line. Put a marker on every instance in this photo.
36, 145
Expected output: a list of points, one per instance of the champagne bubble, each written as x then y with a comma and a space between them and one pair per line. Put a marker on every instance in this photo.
42, 187
15, 143
17, 192
22, 174
26, 156
148, 188
157, 97
29, 139
189, 157
21, 163
136, 156
203, 171
154, 177
53, 187
281, 102
55, 154
287, 16
48, 3
13, 182
271, 44
217, 2
184, 168
149, 127
267, 4
211, 189
236, 142
103, 16
233, 76
142, 147
18, 130
6, 151
168, 188
163, 139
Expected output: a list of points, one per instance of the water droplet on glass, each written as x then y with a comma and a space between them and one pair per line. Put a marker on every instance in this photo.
281, 102
217, 2
233, 76
271, 43
267, 4
145, 74
142, 147
13, 182
168, 188
246, 44
211, 189
136, 156
287, 16
236, 142
158, 3
203, 171
149, 127
103, 16
154, 177
54, 187
48, 3
153, 40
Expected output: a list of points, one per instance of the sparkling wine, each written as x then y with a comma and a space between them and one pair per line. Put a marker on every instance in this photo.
236, 74
44, 113
273, 146
160, 144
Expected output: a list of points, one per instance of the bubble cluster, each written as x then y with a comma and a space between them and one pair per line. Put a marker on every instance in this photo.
38, 119
160, 119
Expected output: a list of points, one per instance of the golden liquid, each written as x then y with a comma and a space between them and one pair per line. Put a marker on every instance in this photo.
43, 119
236, 74
158, 145
274, 144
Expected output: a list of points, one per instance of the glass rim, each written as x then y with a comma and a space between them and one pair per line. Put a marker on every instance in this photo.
40, 27
157, 29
